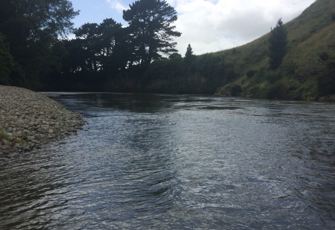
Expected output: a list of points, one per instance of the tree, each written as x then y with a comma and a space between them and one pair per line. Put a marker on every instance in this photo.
114, 44
32, 27
277, 45
88, 37
175, 57
35, 20
109, 30
103, 47
151, 29
189, 56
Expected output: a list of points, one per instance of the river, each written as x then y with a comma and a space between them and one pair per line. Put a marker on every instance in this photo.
177, 162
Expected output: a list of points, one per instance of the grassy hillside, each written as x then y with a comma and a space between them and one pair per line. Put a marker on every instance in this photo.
307, 71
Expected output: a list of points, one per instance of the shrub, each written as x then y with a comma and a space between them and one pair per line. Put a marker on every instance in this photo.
236, 91
273, 76
6, 62
251, 73
324, 56
279, 90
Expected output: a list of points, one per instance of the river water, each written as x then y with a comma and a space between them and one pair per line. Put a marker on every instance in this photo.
178, 162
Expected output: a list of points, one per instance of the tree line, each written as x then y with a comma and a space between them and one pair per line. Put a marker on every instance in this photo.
110, 48
36, 53
34, 48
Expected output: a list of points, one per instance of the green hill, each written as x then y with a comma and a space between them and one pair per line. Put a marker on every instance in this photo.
110, 61
307, 71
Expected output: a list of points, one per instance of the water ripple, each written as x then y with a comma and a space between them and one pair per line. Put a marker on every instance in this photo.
178, 162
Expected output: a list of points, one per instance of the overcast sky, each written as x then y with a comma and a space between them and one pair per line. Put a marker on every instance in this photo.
208, 25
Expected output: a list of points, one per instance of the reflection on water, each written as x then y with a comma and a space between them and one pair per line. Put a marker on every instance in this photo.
176, 162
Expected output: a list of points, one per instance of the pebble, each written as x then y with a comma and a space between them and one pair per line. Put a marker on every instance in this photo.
29, 120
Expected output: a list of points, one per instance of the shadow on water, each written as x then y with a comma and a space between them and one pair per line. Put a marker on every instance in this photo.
138, 103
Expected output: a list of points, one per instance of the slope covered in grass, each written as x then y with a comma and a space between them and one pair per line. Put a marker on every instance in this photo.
307, 71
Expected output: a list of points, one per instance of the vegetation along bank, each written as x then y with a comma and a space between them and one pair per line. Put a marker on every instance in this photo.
295, 60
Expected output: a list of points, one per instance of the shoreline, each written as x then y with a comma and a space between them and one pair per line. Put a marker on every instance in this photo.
29, 120
323, 99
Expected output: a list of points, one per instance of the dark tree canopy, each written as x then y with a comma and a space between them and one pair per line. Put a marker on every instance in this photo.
277, 45
31, 28
113, 46
151, 29
109, 50
88, 37
35, 20
34, 52
100, 47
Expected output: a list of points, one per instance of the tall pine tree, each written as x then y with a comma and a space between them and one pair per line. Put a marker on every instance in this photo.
277, 45
151, 28
189, 54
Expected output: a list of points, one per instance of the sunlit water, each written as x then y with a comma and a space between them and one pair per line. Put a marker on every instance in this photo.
178, 162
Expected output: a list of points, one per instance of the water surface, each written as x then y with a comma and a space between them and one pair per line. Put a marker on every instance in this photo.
178, 162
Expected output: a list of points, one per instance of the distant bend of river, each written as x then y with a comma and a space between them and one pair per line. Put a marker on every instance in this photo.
178, 162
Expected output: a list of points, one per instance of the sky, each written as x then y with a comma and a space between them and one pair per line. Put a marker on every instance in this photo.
208, 25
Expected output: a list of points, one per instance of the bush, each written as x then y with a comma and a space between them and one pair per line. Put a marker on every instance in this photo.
6, 62
326, 84
256, 91
251, 73
273, 76
279, 90
324, 56
236, 91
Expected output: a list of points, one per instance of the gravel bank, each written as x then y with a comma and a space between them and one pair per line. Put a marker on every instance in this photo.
29, 120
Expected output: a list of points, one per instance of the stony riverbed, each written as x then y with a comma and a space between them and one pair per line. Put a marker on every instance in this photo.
29, 120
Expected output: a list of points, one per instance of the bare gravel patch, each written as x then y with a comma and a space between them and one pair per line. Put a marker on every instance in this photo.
29, 120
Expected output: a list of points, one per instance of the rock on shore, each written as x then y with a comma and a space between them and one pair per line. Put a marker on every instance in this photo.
29, 120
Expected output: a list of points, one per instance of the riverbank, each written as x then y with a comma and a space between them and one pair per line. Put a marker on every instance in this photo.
29, 120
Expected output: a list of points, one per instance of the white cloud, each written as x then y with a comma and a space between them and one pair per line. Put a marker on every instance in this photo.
212, 25
117, 5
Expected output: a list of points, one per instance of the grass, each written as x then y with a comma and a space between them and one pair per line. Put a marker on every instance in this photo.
310, 35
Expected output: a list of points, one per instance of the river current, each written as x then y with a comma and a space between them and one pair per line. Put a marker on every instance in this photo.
177, 162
